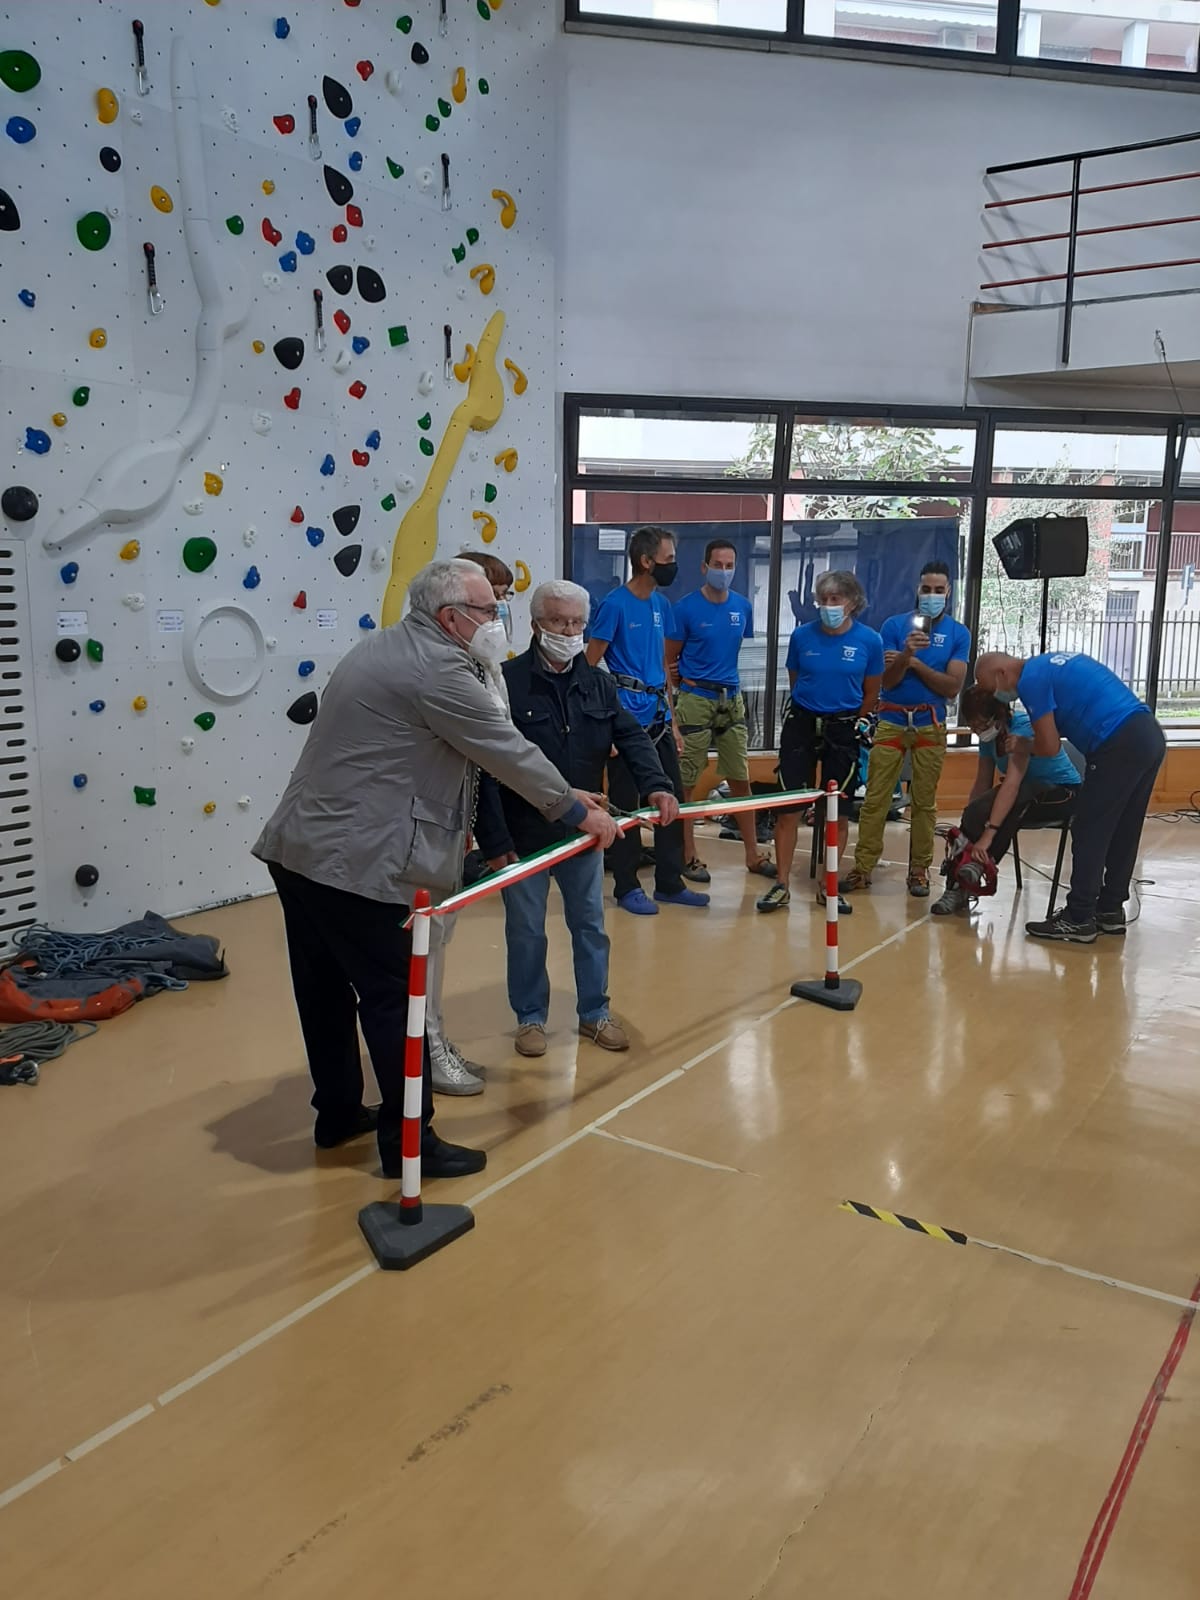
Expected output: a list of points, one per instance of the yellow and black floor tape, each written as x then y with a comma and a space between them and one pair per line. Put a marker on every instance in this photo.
948, 1235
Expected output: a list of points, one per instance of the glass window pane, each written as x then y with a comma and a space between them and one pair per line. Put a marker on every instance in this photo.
1179, 663
756, 15
1127, 33
676, 444
1050, 455
946, 25
604, 519
1106, 613
862, 449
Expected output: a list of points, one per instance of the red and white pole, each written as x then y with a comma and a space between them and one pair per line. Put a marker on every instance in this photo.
414, 1065
831, 885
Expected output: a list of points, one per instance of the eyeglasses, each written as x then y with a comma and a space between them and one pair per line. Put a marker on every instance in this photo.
491, 613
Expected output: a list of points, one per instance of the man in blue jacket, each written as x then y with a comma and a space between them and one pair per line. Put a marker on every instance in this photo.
571, 712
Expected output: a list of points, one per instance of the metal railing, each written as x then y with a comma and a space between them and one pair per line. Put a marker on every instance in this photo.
1122, 643
1072, 272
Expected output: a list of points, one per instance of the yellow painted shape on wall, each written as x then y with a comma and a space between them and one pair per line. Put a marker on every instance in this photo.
479, 411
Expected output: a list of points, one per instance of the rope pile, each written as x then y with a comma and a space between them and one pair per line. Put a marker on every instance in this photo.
25, 1045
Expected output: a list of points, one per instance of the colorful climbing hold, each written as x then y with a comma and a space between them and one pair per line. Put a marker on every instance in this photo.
388, 502
213, 483
328, 467
37, 440
297, 514
315, 536
285, 124
270, 232
353, 125
303, 710
355, 162
373, 439
80, 780
287, 261
367, 622
19, 71
520, 381
432, 124
144, 797
20, 130
487, 525
364, 69
199, 554
95, 650
282, 27
81, 396
426, 447
93, 230
508, 460
345, 519
347, 559
292, 399
485, 275
69, 573
67, 650
357, 389
305, 243
161, 200
523, 579
96, 706
420, 55
459, 252
252, 579
301, 601
361, 458
445, 107
110, 159
27, 298
307, 668
472, 236
459, 87
289, 353
397, 336
130, 550
490, 492
354, 216
86, 876
235, 225
338, 186
209, 807
404, 24
107, 105
337, 98
425, 422
484, 86
59, 419
98, 338
340, 279
358, 344
206, 721
339, 234
140, 703
10, 217
508, 207
370, 285
18, 503
268, 186
394, 167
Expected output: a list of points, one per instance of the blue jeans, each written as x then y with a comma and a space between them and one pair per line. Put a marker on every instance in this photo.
581, 883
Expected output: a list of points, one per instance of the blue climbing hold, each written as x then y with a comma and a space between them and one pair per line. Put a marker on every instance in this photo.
355, 162
70, 572
97, 706
353, 124
27, 297
252, 579
80, 780
37, 441
305, 243
366, 622
360, 344
282, 27
287, 261
20, 130
327, 467
307, 667
374, 439
315, 536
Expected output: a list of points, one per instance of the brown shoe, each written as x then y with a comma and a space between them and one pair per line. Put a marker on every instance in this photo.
918, 882
854, 879
531, 1039
609, 1035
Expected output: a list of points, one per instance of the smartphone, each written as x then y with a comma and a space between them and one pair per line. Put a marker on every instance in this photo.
919, 624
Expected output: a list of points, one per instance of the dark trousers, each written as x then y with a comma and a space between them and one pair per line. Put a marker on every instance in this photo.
1109, 816
623, 857
349, 958
1034, 805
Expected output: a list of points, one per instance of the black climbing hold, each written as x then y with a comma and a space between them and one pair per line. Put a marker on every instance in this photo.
304, 709
371, 285
345, 519
68, 650
19, 504
347, 559
340, 279
337, 98
10, 217
341, 190
87, 876
420, 55
110, 159
290, 353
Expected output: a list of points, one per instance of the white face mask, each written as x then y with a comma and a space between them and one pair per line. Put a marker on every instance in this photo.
489, 643
561, 647
988, 735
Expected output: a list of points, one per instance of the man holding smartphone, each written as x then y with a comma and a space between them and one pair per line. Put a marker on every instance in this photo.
925, 663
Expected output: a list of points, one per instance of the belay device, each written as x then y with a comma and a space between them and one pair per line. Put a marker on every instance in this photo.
962, 870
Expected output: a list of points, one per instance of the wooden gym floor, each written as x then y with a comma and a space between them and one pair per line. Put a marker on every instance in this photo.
665, 1363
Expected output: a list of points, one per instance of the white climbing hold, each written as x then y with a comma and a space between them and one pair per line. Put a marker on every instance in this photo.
426, 382
404, 483
272, 281
270, 641
230, 118
187, 746
243, 801
135, 602
394, 81
425, 178
193, 507
379, 558
261, 421
341, 361
250, 535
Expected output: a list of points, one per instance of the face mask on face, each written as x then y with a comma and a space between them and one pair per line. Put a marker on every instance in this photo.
560, 647
832, 616
1005, 696
719, 578
931, 605
665, 573
505, 618
987, 735
489, 643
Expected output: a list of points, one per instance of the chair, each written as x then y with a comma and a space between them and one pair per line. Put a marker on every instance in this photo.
1063, 828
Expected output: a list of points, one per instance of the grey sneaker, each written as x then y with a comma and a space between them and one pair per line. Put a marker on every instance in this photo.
467, 1066
1111, 921
953, 899
450, 1075
1061, 927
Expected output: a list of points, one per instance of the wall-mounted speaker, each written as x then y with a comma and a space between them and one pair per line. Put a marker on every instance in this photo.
1044, 547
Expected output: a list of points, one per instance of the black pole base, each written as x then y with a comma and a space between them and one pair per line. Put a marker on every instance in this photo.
844, 998
399, 1245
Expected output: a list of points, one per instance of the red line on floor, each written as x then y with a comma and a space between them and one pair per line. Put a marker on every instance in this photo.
1106, 1520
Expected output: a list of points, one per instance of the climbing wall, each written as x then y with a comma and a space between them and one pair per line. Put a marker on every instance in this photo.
276, 330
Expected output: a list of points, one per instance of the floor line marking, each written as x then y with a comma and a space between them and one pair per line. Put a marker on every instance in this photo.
676, 1155
17, 1490
1094, 1550
78, 1451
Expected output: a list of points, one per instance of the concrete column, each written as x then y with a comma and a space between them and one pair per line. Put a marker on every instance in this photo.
1135, 44
1029, 33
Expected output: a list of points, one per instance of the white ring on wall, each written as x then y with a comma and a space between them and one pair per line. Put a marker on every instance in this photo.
191, 638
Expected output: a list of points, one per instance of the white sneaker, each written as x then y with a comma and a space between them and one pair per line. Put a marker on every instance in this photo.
450, 1073
467, 1066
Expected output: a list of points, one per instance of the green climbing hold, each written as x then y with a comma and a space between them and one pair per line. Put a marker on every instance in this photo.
484, 10
19, 71
144, 797
425, 422
93, 230
394, 167
404, 24
426, 447
81, 396
235, 225
206, 721
459, 253
397, 336
490, 492
95, 650
198, 554
484, 86
472, 235
432, 124
445, 107
388, 502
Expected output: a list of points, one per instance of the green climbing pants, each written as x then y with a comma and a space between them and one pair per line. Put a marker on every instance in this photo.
893, 741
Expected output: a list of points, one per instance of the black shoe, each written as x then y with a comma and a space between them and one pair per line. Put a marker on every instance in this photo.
1111, 921
438, 1159
1061, 927
329, 1133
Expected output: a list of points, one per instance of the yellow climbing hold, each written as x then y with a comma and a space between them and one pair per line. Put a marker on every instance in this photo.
59, 419
258, 347
520, 381
458, 88
213, 483
487, 522
107, 105
485, 275
508, 207
130, 550
507, 459
209, 807
161, 199
98, 338
268, 186
462, 369
523, 578
140, 703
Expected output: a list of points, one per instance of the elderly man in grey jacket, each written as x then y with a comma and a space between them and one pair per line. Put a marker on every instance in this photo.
377, 808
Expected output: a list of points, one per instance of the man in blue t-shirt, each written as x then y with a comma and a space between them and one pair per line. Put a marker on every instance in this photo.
702, 658
629, 634
1070, 696
925, 662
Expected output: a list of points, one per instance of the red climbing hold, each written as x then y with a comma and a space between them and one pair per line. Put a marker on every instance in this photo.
341, 233
270, 232
358, 388
364, 69
362, 458
292, 400
297, 515
354, 216
286, 123
342, 321
301, 601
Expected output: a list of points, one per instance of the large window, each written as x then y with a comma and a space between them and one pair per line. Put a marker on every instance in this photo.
1120, 37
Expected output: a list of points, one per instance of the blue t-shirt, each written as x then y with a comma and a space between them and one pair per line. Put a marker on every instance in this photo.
948, 641
830, 667
635, 631
1088, 701
711, 634
1042, 770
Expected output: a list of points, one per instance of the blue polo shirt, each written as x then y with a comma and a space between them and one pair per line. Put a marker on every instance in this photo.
1045, 771
1089, 701
830, 668
948, 641
711, 633
635, 632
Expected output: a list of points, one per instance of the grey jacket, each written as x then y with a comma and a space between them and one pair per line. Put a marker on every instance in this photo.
379, 802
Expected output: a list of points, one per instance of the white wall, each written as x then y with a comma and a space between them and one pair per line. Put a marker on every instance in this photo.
751, 225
